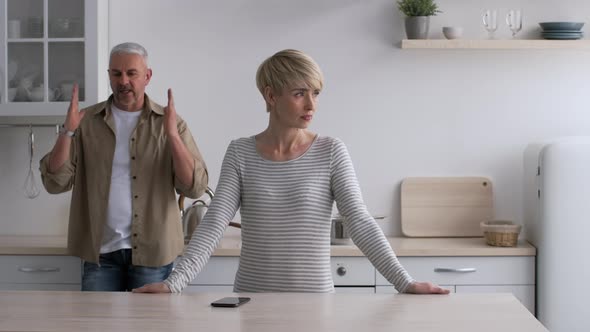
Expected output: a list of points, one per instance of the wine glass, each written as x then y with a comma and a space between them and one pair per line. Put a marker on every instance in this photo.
514, 21
490, 22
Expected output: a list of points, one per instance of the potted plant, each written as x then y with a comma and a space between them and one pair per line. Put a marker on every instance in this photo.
418, 14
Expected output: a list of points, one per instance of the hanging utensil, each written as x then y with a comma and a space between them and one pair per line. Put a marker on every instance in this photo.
30, 186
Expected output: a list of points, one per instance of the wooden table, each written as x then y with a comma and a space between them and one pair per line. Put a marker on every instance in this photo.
284, 312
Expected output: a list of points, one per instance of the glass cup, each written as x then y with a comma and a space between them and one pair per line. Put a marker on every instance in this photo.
514, 21
490, 22
13, 29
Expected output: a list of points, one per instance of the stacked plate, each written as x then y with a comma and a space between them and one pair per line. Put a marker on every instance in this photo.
562, 30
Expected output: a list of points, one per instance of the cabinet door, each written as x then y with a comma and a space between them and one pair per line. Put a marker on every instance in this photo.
346, 271
524, 293
352, 271
495, 270
220, 270
354, 290
41, 287
392, 290
40, 270
208, 289
506, 274
49, 45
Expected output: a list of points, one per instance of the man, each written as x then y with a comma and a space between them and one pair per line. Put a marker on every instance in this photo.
124, 159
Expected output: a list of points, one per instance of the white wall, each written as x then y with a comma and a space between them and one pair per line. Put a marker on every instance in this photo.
401, 112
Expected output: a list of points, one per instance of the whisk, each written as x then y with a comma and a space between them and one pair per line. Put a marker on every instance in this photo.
30, 186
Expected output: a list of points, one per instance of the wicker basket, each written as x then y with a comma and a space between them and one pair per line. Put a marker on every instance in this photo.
500, 233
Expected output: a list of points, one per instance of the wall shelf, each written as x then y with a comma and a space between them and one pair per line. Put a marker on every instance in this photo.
582, 44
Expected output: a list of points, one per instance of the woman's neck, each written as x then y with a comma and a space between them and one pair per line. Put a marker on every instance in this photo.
283, 145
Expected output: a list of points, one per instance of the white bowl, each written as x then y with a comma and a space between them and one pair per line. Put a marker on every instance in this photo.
452, 32
65, 91
37, 94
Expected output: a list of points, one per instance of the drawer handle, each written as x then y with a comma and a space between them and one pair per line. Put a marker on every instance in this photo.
38, 269
459, 270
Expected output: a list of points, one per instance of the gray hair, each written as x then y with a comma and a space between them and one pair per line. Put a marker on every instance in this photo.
130, 48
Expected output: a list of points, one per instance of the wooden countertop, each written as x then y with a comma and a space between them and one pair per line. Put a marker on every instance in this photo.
476, 246
96, 311
230, 246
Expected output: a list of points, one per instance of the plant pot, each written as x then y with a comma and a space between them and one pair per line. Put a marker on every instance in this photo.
417, 27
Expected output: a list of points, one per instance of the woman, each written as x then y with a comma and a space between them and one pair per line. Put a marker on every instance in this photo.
285, 180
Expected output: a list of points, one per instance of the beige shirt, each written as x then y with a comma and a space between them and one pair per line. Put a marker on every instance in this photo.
156, 230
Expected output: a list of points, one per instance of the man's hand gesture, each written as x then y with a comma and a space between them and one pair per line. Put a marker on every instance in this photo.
170, 127
74, 115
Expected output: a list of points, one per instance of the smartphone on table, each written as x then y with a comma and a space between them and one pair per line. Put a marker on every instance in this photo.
231, 302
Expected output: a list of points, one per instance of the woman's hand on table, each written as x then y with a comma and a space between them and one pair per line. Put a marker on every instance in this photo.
157, 287
425, 288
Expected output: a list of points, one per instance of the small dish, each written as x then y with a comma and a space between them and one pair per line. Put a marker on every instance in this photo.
37, 94
562, 25
561, 31
452, 32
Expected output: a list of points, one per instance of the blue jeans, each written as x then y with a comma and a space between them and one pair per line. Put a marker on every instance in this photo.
116, 273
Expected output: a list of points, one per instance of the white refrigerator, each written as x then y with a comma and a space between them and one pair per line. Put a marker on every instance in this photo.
557, 223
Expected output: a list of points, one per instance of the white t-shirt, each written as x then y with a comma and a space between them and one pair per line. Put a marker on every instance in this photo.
117, 232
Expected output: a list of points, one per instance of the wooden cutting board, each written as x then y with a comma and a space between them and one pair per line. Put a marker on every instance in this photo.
445, 206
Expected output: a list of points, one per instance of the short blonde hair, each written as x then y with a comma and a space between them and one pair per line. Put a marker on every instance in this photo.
285, 69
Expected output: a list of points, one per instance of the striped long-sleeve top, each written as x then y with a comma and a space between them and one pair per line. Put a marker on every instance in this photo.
286, 209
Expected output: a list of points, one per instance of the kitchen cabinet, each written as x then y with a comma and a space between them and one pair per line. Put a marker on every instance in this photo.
524, 293
40, 272
208, 289
352, 271
217, 275
48, 46
353, 275
511, 274
354, 290
350, 274
41, 287
489, 269
391, 290
495, 44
